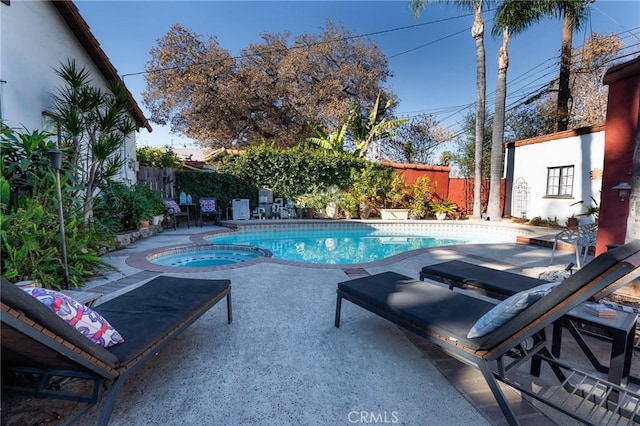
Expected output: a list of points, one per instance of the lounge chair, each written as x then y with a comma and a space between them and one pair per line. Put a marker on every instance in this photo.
500, 285
37, 342
446, 317
488, 281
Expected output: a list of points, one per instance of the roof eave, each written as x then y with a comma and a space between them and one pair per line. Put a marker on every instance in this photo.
82, 32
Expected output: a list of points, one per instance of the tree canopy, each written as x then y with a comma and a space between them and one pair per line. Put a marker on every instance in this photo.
268, 93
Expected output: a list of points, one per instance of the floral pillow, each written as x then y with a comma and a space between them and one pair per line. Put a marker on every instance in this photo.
88, 322
508, 309
172, 206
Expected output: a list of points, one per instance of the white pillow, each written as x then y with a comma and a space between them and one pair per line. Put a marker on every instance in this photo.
508, 309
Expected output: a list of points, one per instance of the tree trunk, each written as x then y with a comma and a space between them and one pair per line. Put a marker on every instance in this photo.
562, 110
497, 142
477, 31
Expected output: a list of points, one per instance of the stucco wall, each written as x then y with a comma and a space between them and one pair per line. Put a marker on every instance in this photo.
35, 41
533, 157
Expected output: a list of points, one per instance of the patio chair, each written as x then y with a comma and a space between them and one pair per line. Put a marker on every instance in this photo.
581, 238
174, 212
258, 213
447, 317
37, 343
209, 207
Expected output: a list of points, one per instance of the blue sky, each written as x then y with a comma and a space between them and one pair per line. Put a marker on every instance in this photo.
432, 59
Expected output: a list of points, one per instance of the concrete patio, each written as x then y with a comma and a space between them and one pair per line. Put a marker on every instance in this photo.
282, 362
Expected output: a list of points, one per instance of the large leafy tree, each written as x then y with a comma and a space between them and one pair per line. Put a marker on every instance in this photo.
269, 93
536, 115
416, 141
477, 32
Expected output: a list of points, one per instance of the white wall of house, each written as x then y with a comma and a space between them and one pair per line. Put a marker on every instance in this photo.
35, 41
532, 161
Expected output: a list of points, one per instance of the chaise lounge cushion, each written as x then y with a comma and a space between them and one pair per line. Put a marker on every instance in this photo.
506, 310
88, 322
148, 313
491, 282
405, 300
438, 311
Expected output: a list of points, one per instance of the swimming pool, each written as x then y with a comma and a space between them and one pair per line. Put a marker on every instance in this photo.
340, 246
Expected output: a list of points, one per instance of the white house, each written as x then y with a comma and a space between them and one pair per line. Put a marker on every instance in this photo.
555, 176
36, 37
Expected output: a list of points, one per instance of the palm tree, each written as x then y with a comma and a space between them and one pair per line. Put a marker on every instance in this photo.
497, 135
574, 14
477, 32
512, 16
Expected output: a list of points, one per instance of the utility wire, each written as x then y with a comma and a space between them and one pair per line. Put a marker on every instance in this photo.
306, 46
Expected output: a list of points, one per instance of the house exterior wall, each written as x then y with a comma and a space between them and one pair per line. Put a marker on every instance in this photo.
35, 41
581, 148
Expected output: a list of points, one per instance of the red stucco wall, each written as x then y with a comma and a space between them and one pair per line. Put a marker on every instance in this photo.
621, 128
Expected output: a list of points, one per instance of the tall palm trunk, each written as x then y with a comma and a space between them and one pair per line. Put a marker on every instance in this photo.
497, 140
477, 31
562, 109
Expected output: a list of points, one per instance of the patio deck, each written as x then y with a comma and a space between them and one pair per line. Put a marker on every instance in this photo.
282, 361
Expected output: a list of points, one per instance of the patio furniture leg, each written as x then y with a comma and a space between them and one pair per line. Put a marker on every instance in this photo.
229, 313
338, 309
498, 394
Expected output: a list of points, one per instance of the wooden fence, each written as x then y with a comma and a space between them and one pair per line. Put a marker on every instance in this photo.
158, 179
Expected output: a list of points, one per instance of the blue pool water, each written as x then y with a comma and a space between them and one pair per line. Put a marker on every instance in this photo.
342, 246
206, 257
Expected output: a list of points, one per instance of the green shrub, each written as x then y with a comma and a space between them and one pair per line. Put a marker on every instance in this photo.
121, 208
31, 246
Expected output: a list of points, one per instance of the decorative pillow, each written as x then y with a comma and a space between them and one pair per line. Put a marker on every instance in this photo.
208, 205
88, 322
172, 206
508, 309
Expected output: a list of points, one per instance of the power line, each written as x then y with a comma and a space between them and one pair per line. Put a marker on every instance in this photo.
306, 46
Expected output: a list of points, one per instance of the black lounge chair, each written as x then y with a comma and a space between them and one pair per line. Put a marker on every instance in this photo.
500, 285
491, 282
38, 343
445, 317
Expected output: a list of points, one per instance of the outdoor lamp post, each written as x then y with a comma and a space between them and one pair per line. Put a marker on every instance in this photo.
55, 156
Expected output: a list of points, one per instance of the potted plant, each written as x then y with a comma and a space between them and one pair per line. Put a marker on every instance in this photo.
420, 196
302, 203
395, 200
370, 184
333, 197
442, 208
153, 208
349, 205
